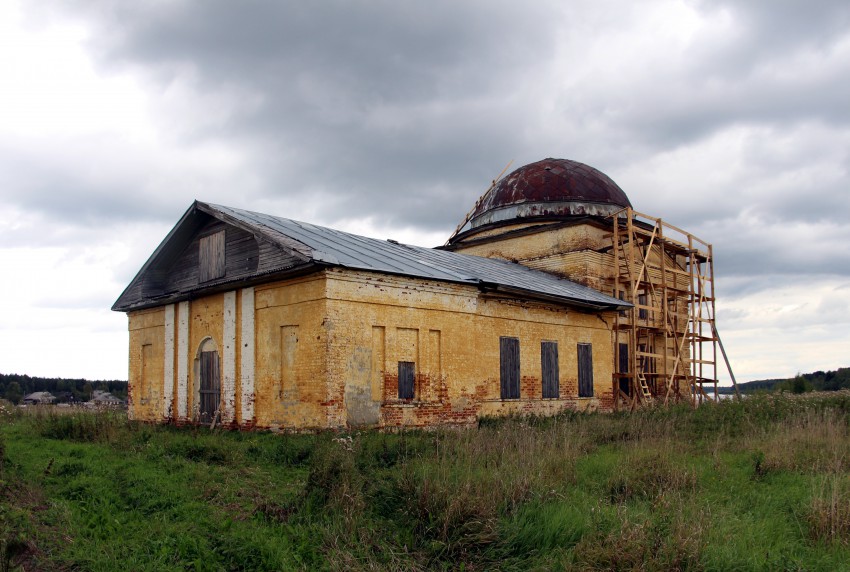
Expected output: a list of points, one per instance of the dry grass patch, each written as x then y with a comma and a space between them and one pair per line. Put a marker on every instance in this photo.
816, 441
828, 516
650, 473
670, 541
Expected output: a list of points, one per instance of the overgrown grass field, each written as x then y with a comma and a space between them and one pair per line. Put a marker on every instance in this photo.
757, 485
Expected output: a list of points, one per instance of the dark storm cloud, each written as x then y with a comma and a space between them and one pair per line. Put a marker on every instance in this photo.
383, 106
403, 112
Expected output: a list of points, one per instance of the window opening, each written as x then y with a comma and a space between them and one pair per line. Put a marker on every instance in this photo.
585, 370
549, 369
509, 368
406, 377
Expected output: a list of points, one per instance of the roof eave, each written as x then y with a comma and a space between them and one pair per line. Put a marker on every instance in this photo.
222, 286
561, 300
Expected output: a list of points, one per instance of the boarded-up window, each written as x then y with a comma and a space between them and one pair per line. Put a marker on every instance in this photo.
509, 368
585, 370
549, 369
406, 376
211, 257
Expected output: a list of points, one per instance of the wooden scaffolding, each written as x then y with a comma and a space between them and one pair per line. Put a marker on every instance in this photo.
665, 346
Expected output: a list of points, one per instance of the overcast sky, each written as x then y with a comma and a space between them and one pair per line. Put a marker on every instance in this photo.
389, 118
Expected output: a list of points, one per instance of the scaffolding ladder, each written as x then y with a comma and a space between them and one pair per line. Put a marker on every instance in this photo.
668, 276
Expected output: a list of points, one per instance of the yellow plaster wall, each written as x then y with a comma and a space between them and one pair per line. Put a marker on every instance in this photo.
147, 340
456, 348
327, 348
291, 381
206, 320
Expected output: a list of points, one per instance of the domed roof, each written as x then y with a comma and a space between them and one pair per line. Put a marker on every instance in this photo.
551, 188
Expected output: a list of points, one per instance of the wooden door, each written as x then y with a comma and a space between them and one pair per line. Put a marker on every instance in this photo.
210, 390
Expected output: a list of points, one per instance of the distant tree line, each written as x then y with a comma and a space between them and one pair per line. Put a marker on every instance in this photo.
14, 387
802, 382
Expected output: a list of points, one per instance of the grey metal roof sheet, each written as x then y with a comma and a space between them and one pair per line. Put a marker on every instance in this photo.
338, 248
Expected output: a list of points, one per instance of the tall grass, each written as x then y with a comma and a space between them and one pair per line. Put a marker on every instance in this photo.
828, 516
759, 484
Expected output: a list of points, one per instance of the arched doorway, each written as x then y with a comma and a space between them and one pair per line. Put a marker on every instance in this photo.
209, 381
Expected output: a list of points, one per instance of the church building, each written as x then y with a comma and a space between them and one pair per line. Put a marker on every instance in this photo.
552, 294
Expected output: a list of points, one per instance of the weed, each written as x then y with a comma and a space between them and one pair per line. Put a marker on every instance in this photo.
760, 468
333, 478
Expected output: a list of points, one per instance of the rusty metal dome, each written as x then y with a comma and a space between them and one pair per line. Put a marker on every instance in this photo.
551, 188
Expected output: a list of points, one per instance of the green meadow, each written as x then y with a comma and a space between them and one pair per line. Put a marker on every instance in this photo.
760, 484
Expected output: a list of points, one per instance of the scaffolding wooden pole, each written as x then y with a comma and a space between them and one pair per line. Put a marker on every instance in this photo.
668, 275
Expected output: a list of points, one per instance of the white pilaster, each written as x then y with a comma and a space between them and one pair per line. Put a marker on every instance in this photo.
228, 389
168, 364
247, 355
182, 359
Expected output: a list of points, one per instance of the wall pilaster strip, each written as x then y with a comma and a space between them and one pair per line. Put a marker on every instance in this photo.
228, 389
168, 364
182, 359
247, 356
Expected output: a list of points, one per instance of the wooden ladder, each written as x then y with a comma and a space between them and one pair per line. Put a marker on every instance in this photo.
644, 388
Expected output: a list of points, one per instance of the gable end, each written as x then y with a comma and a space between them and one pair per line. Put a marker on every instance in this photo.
202, 254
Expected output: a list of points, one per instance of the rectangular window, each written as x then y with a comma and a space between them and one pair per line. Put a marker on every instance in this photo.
549, 369
585, 370
406, 376
624, 368
642, 313
211, 257
509, 368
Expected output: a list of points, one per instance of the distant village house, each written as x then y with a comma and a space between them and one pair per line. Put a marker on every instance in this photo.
38, 398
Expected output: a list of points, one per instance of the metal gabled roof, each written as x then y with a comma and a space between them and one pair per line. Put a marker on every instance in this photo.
332, 247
